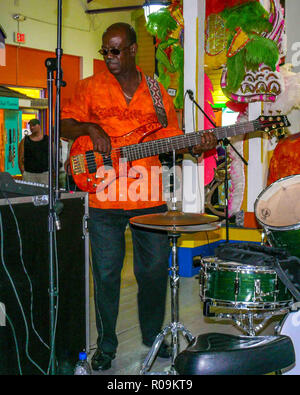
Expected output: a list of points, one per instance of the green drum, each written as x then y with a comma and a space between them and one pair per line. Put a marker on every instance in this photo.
277, 209
244, 287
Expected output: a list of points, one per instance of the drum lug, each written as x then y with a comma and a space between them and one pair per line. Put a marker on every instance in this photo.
263, 237
203, 282
258, 294
206, 310
257, 290
236, 286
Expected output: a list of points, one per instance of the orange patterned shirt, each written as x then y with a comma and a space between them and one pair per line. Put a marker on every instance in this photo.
99, 99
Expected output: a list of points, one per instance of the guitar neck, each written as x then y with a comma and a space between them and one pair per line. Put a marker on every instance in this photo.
156, 147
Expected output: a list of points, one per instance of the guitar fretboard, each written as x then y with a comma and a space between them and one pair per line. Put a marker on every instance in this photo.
156, 147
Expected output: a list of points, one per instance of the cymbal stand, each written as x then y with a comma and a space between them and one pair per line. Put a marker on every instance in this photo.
175, 327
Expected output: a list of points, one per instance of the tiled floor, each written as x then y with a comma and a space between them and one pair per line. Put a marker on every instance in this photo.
131, 353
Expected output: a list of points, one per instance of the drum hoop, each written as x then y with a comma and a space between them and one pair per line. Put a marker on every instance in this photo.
283, 228
250, 305
280, 228
244, 269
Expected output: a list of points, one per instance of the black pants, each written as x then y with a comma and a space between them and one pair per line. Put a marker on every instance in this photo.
150, 258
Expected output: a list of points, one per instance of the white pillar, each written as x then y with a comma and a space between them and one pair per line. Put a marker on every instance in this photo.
193, 174
255, 168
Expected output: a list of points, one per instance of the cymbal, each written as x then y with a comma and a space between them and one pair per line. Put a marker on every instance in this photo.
177, 221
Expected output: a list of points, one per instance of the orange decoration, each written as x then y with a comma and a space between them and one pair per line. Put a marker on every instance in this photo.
285, 160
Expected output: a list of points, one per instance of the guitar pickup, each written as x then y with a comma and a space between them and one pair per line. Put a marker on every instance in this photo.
91, 162
107, 162
78, 164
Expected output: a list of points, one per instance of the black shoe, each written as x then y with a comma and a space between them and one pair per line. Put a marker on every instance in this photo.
164, 350
101, 360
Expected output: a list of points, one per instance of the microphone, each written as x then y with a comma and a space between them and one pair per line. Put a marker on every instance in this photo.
191, 94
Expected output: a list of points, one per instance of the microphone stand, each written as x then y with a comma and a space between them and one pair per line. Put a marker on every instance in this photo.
53, 65
225, 143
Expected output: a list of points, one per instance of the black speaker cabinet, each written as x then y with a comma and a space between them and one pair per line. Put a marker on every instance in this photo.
24, 284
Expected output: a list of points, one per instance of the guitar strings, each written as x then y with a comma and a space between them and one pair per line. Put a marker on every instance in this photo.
150, 148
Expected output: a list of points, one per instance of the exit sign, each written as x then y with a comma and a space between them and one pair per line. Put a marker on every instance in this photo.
19, 38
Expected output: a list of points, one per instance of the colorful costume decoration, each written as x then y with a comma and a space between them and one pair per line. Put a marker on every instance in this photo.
217, 6
216, 36
166, 26
254, 47
289, 99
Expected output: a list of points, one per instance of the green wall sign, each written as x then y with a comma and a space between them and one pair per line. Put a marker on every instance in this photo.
10, 103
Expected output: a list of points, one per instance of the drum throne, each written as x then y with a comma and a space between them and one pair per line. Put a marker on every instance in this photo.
223, 354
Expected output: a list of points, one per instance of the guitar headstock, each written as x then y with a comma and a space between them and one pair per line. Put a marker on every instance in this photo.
269, 123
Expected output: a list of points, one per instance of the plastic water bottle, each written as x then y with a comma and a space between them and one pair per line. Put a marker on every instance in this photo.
82, 367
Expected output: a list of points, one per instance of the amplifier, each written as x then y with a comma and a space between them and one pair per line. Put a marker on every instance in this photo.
24, 284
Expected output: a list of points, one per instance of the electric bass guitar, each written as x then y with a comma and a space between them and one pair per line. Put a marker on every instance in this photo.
93, 172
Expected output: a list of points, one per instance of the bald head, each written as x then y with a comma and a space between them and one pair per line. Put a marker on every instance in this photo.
122, 28
121, 38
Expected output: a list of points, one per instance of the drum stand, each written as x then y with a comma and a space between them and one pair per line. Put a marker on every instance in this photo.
175, 327
245, 320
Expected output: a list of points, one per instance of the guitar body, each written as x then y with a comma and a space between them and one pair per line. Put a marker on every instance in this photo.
93, 172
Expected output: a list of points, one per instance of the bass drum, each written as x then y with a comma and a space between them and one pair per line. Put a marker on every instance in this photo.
277, 209
290, 326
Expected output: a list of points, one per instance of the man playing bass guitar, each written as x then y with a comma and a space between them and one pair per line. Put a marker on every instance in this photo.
110, 110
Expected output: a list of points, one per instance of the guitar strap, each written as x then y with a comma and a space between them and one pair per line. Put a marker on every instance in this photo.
157, 101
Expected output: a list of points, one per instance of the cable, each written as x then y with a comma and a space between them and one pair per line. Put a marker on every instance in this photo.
27, 275
14, 336
17, 297
30, 284
57, 303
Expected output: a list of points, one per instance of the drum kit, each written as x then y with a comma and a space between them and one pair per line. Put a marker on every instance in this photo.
244, 293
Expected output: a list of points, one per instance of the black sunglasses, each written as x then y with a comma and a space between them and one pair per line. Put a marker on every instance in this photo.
112, 51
